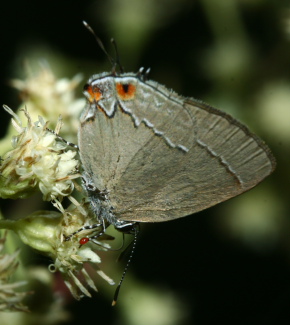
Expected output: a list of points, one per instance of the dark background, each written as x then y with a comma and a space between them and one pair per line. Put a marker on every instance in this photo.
227, 53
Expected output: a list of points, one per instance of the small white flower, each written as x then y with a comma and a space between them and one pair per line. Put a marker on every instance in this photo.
48, 96
38, 161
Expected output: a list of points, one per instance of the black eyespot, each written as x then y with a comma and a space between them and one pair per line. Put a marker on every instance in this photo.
125, 87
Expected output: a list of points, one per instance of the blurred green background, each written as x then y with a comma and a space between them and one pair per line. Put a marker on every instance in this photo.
229, 264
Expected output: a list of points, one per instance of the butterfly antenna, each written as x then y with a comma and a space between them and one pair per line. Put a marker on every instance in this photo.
117, 60
101, 45
136, 231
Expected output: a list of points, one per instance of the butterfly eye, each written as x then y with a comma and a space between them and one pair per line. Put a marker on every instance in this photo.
125, 91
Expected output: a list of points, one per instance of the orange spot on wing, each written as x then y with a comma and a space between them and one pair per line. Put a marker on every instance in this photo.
125, 91
94, 93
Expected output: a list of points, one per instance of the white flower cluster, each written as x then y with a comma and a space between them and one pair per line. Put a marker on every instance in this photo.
38, 159
41, 161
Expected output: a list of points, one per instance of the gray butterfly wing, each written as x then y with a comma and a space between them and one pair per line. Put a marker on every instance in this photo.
162, 157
